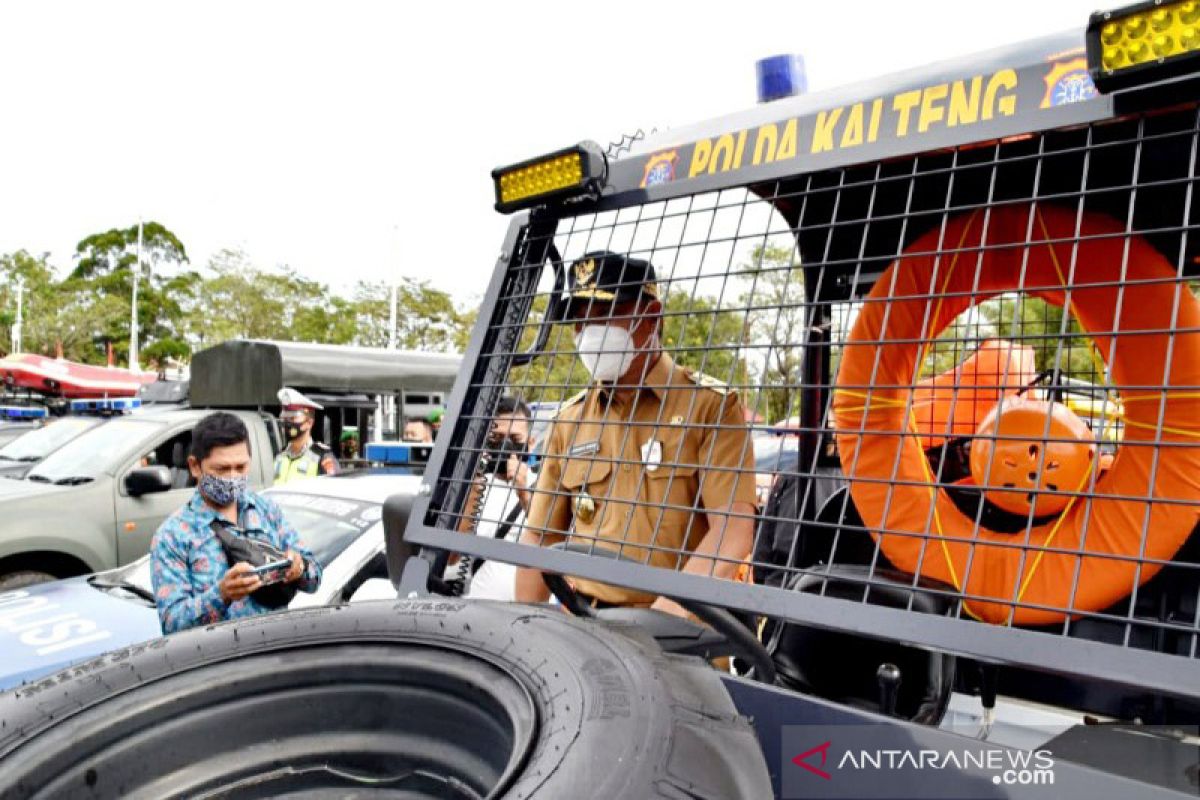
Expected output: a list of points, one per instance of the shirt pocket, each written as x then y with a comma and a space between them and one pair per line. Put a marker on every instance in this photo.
677, 455
591, 472
670, 488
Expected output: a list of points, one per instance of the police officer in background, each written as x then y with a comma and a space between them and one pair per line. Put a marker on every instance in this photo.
303, 457
349, 444
653, 460
434, 418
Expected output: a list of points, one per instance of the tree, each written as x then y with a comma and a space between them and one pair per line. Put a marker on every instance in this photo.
180, 310
1057, 340
257, 303
372, 311
773, 333
957, 342
427, 318
81, 323
1057, 345
556, 373
237, 302
698, 332
39, 299
102, 281
67, 315
466, 324
106, 253
159, 353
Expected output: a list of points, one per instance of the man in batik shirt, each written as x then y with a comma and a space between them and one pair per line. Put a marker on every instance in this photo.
194, 581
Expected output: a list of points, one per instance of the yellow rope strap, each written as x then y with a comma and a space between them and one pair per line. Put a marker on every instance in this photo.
1053, 532
1192, 432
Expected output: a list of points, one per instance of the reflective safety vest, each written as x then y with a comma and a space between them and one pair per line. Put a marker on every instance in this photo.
289, 468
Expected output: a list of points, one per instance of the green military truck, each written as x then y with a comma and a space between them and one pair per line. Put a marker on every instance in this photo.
95, 502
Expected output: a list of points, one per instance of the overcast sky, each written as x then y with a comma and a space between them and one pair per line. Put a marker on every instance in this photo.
354, 140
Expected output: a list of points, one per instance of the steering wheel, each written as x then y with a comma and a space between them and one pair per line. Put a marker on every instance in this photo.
738, 637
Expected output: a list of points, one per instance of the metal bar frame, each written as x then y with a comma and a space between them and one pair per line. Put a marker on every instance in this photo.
478, 388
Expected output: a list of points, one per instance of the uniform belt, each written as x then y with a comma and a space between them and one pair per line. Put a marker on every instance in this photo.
597, 603
600, 605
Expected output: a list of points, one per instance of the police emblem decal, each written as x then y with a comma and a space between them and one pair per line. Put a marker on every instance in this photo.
660, 168
1068, 82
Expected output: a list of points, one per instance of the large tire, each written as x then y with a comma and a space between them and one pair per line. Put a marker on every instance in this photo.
410, 699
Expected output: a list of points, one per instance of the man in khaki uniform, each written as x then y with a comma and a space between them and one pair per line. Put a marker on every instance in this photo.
653, 461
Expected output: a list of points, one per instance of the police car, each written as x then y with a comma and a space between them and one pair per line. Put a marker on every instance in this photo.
19, 455
46, 627
37, 434
17, 420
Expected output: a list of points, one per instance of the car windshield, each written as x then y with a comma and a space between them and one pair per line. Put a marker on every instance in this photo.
94, 452
37, 444
327, 526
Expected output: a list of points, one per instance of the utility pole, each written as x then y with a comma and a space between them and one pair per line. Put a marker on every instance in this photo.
16, 331
392, 321
387, 422
393, 334
133, 324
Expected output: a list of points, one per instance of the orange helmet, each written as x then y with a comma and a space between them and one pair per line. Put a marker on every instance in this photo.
1028, 448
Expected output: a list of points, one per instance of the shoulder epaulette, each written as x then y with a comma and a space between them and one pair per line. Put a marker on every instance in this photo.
709, 382
570, 401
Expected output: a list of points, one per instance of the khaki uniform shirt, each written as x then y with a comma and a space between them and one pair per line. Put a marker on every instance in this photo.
644, 471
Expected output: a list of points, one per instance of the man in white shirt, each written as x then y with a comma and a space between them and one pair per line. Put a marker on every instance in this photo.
506, 498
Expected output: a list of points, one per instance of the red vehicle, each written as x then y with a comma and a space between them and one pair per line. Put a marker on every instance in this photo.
68, 379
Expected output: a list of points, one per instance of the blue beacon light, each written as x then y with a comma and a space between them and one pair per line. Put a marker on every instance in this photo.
105, 405
781, 76
22, 412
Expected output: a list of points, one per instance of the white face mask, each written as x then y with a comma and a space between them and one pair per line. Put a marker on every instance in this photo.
606, 350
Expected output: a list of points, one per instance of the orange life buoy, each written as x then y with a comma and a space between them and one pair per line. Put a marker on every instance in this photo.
1131, 302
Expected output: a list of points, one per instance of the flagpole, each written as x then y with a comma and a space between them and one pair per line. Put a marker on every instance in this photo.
392, 321
391, 405
133, 324
16, 331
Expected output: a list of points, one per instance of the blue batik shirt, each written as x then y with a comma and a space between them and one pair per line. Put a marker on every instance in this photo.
187, 561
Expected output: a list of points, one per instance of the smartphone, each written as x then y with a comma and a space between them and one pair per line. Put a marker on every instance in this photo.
273, 571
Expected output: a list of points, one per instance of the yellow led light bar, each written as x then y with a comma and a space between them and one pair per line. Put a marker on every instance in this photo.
1143, 43
574, 172
541, 178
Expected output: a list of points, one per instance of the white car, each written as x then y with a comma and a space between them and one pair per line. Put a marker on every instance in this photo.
48, 626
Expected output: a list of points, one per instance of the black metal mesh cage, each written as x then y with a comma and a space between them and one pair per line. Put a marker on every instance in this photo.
971, 374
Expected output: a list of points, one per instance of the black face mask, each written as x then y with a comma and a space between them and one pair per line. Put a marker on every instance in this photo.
292, 432
496, 454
